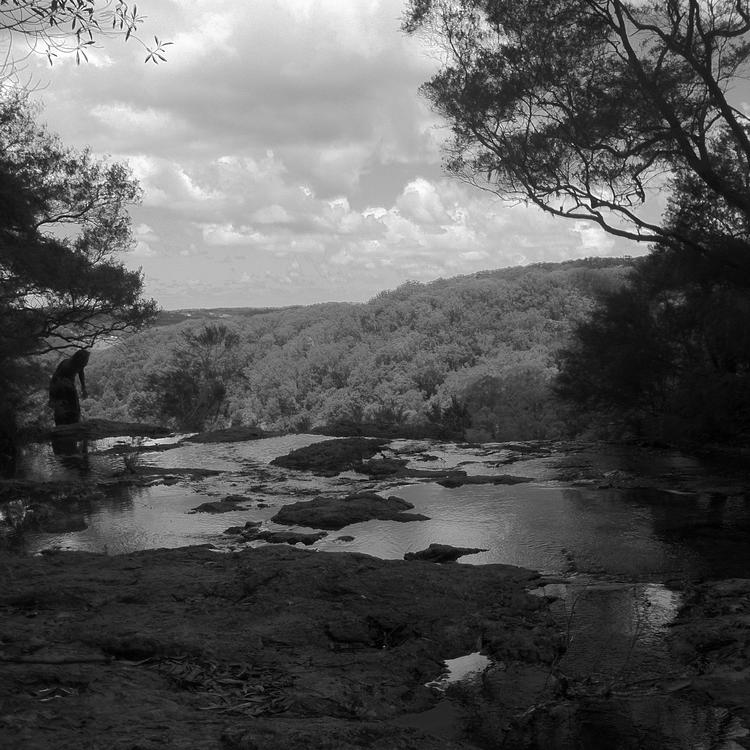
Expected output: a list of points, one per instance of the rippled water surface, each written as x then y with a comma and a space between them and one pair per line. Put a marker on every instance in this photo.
620, 555
548, 524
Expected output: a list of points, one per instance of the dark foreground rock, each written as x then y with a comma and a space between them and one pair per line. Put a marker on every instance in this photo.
337, 512
331, 457
267, 648
442, 553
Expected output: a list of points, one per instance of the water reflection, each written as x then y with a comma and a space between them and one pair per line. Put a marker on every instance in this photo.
69, 460
635, 534
546, 528
72, 454
613, 630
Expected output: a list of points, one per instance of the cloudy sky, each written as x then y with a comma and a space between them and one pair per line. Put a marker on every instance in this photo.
286, 157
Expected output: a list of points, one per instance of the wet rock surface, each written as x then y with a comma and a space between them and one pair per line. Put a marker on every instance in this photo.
269, 647
337, 512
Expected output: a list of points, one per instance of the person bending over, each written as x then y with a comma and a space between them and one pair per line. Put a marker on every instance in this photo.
63, 395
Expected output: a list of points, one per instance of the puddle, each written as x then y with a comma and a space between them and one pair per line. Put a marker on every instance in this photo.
459, 669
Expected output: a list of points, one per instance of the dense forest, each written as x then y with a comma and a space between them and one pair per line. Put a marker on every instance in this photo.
477, 352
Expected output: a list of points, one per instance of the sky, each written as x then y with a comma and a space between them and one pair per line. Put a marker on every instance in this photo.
286, 157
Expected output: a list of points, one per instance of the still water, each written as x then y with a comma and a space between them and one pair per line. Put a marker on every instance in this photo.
615, 560
565, 522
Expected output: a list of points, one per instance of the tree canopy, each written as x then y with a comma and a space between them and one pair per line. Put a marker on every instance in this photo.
58, 28
582, 106
64, 220
425, 358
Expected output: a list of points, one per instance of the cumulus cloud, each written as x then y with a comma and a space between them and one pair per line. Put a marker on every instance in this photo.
286, 157
421, 203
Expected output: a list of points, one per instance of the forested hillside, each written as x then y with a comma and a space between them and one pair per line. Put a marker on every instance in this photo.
476, 351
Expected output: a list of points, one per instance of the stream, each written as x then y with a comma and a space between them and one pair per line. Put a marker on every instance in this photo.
616, 532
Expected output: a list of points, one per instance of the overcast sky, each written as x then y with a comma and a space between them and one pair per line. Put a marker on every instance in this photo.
287, 157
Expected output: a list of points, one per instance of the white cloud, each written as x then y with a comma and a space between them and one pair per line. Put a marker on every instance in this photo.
594, 240
285, 156
274, 214
420, 201
227, 234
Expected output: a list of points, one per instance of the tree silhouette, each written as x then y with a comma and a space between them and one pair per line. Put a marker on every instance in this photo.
581, 106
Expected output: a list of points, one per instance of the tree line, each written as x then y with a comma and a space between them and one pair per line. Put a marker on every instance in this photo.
475, 352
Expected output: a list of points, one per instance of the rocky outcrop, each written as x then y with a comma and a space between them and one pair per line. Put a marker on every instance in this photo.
337, 512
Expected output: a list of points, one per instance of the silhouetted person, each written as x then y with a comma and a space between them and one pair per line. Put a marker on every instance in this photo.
63, 395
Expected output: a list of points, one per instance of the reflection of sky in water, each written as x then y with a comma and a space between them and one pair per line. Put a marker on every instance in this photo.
530, 525
543, 525
614, 629
614, 547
